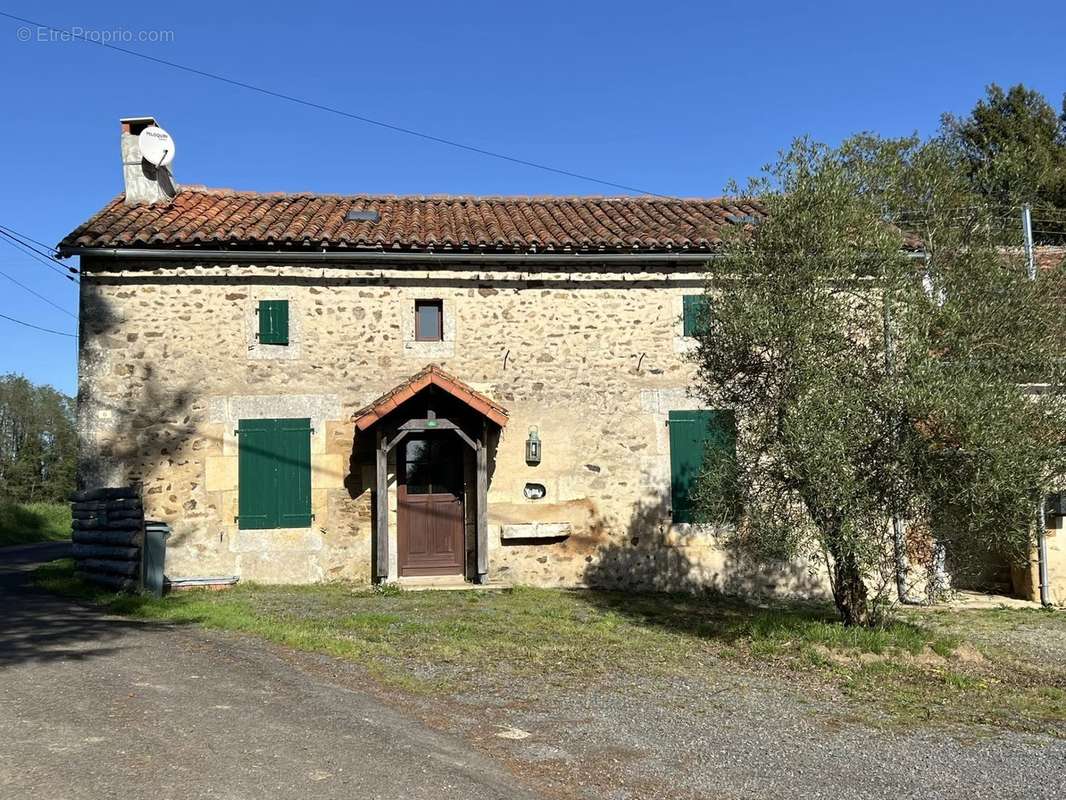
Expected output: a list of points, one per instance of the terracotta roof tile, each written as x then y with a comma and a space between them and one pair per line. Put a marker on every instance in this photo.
199, 216
432, 374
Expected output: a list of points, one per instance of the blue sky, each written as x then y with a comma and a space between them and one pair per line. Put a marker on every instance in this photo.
672, 98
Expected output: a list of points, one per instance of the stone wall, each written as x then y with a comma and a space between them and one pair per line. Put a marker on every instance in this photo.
594, 360
1027, 577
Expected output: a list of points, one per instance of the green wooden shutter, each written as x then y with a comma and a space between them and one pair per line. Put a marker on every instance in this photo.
274, 321
274, 473
256, 504
694, 436
692, 306
294, 473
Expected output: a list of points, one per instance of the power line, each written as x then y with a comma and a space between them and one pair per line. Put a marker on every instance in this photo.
11, 240
1007, 219
38, 327
28, 243
339, 112
38, 294
28, 238
22, 240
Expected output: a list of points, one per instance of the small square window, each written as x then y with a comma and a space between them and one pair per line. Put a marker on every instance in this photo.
694, 307
429, 320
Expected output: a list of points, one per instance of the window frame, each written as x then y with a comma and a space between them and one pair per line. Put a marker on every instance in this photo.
439, 306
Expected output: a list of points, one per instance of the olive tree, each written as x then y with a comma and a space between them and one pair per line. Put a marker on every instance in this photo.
875, 342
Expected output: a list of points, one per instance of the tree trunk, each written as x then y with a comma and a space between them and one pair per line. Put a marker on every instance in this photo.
849, 591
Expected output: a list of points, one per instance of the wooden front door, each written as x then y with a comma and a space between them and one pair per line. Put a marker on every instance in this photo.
429, 525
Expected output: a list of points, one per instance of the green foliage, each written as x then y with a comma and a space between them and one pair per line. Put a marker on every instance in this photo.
58, 577
388, 589
38, 446
1013, 147
795, 630
838, 428
980, 371
27, 523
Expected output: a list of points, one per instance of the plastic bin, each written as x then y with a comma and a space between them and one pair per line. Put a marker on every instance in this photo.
154, 556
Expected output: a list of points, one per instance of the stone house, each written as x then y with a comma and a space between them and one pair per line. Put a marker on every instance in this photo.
413, 389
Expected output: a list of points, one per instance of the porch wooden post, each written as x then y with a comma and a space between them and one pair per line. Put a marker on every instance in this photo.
482, 505
381, 515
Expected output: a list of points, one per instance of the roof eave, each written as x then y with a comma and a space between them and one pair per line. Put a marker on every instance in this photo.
363, 256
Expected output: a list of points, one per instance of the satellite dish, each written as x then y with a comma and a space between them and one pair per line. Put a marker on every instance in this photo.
157, 147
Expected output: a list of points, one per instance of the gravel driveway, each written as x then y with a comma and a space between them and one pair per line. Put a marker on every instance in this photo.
757, 739
95, 707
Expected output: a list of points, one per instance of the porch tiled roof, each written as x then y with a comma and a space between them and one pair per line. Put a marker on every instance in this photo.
431, 375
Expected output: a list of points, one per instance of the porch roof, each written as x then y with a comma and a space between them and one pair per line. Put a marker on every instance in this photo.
431, 375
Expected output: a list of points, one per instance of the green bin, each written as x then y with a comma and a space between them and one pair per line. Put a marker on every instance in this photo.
153, 556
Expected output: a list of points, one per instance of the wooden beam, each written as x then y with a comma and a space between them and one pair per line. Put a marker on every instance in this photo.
482, 546
395, 440
413, 425
428, 424
462, 435
381, 512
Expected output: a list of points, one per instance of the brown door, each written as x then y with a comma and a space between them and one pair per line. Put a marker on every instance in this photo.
429, 525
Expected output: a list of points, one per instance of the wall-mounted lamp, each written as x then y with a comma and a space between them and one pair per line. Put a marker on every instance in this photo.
533, 446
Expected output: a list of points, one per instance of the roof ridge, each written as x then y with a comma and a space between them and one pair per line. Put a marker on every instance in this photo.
543, 198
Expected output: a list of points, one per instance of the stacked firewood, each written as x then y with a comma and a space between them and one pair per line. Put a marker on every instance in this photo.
108, 532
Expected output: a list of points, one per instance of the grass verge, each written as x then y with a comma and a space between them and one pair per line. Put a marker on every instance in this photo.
29, 523
921, 667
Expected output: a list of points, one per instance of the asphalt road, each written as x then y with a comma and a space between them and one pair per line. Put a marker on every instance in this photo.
93, 706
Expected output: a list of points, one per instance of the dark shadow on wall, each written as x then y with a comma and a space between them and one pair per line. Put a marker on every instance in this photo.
694, 560
648, 578
641, 559
142, 422
690, 275
153, 421
979, 570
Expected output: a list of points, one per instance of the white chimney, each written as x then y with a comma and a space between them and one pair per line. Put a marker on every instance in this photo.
144, 183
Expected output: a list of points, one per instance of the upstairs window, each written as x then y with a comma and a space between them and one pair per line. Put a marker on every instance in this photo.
273, 321
693, 306
429, 320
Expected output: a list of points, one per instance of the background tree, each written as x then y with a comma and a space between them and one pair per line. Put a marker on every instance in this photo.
1012, 146
835, 436
37, 442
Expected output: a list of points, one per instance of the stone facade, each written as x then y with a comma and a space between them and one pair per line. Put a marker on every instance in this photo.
169, 364
1026, 578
